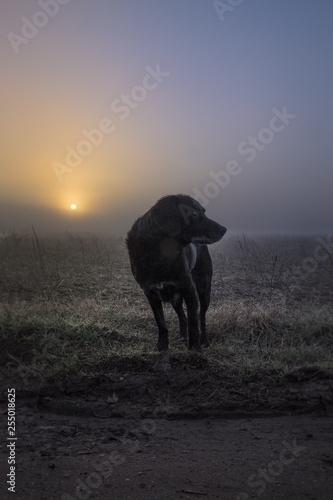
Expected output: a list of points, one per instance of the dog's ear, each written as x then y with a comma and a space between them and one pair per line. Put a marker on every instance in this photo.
168, 219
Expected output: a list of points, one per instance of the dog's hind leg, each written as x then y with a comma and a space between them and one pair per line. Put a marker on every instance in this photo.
177, 304
157, 308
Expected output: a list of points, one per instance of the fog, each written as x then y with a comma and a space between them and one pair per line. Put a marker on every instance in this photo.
112, 105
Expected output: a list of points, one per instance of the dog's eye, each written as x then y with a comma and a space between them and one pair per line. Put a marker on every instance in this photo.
195, 213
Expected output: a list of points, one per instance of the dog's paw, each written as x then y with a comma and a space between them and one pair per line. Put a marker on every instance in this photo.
195, 347
162, 346
162, 365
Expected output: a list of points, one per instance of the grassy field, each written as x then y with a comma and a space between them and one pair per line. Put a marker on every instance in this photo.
70, 308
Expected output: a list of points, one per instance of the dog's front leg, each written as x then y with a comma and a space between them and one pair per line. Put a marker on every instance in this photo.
156, 305
192, 304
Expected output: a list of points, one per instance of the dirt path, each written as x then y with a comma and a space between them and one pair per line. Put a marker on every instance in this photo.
79, 456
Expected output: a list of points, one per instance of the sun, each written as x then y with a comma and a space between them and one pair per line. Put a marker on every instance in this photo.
73, 206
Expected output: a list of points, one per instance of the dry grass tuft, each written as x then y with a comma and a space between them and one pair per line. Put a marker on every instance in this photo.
71, 306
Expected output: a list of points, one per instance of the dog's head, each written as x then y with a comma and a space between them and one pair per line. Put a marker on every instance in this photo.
183, 218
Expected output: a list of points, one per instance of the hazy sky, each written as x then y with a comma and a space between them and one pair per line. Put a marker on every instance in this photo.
111, 104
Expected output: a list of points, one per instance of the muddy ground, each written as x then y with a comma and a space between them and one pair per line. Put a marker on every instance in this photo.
207, 427
153, 436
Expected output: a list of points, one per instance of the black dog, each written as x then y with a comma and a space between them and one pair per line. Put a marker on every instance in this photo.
170, 260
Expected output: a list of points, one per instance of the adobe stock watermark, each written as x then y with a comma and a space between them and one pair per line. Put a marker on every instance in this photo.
227, 6
104, 469
31, 27
322, 252
121, 107
249, 148
275, 468
32, 374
